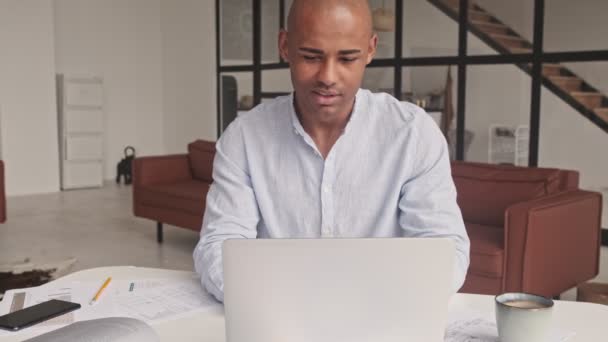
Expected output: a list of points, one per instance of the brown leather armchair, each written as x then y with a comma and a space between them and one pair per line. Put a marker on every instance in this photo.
531, 229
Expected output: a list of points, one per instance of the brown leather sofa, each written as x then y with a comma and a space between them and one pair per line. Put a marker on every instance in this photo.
2, 194
172, 189
531, 229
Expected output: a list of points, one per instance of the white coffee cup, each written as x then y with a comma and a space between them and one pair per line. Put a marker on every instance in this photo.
523, 317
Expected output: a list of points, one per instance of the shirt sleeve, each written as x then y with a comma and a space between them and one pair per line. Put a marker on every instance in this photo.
231, 210
427, 206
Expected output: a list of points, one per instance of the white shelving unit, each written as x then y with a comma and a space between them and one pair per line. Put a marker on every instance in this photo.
509, 145
81, 131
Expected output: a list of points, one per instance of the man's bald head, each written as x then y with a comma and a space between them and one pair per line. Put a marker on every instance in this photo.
302, 12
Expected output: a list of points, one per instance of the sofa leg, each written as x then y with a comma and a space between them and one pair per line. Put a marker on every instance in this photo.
159, 232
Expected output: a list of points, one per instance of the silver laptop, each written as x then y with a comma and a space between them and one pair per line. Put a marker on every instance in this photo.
329, 290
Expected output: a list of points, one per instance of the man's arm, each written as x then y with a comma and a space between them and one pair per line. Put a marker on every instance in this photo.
231, 211
427, 207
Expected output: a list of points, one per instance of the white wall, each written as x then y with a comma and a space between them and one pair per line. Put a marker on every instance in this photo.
427, 28
575, 25
27, 97
188, 69
568, 140
121, 41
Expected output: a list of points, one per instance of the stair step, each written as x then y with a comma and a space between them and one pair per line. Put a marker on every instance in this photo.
602, 113
552, 69
491, 28
509, 41
519, 49
479, 15
590, 100
568, 83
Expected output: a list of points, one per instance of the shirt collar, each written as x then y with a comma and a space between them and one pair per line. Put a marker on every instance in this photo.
357, 108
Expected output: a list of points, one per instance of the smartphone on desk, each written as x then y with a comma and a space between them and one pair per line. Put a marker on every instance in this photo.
35, 314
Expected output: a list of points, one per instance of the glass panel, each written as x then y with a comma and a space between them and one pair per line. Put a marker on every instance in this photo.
501, 26
287, 7
276, 81
270, 31
427, 31
427, 87
497, 114
236, 32
579, 25
236, 95
383, 15
568, 139
379, 79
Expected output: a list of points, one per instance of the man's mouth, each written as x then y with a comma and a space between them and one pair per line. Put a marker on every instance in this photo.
325, 98
325, 93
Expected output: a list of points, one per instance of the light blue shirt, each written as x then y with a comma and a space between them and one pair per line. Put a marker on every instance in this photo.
388, 175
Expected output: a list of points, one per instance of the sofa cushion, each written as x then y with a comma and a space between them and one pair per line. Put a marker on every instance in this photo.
485, 191
487, 250
187, 196
201, 153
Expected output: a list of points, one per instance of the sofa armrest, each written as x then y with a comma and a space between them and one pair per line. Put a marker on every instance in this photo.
552, 243
161, 169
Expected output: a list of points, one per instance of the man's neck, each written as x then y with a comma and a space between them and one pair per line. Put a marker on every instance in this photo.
323, 130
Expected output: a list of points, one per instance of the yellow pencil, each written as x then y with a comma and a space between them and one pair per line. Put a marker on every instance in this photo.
98, 294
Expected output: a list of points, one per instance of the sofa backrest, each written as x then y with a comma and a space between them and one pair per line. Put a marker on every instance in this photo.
201, 154
485, 191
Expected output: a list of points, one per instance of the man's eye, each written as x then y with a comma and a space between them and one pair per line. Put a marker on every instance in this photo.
348, 60
311, 58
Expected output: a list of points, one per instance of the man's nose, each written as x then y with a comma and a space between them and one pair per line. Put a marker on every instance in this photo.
327, 75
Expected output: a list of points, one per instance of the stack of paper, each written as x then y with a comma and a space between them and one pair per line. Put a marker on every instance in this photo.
149, 300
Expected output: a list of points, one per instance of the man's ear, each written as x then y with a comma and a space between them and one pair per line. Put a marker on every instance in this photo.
371, 49
283, 45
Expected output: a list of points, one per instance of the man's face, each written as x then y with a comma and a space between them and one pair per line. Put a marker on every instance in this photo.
327, 54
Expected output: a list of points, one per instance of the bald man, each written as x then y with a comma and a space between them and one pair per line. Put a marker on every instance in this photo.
330, 160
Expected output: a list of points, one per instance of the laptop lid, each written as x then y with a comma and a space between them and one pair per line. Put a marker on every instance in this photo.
328, 290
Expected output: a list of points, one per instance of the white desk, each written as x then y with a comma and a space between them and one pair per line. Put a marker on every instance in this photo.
589, 321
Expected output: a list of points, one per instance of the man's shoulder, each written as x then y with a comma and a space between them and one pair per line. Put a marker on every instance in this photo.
262, 122
391, 110
264, 113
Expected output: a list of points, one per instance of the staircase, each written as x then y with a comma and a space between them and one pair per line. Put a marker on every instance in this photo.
564, 83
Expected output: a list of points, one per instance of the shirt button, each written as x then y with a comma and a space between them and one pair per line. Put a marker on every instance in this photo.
326, 189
